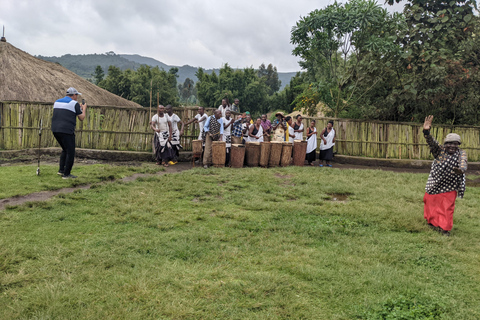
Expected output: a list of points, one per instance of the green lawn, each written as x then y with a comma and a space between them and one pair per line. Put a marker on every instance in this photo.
241, 244
19, 180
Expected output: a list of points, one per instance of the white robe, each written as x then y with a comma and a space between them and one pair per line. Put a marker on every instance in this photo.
329, 139
227, 133
259, 135
299, 135
312, 142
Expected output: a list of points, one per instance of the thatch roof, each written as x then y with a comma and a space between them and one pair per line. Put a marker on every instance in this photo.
26, 78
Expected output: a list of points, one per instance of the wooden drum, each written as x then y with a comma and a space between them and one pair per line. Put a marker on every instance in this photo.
299, 152
286, 154
218, 153
197, 148
275, 153
265, 148
237, 155
252, 153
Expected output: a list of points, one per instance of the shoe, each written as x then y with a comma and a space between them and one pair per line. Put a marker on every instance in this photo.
172, 163
329, 165
320, 165
60, 173
70, 176
205, 167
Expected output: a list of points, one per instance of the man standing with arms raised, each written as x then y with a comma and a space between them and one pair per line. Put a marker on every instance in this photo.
64, 120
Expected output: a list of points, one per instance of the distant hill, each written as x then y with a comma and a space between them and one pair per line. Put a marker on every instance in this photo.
84, 65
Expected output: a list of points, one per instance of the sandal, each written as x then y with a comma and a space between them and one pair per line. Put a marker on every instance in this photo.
165, 165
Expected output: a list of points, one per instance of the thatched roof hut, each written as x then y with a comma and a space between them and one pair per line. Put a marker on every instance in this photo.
26, 78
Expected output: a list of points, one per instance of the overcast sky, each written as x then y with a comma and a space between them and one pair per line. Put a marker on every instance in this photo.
200, 33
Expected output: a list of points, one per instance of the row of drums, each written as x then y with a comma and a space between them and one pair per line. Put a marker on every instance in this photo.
254, 154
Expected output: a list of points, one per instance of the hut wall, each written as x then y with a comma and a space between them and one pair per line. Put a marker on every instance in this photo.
124, 128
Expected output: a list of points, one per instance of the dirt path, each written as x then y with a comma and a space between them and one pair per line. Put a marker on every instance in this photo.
182, 166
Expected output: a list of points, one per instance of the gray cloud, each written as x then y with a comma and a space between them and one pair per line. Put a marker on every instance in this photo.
205, 33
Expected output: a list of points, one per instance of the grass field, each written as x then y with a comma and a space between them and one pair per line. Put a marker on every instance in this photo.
241, 244
20, 180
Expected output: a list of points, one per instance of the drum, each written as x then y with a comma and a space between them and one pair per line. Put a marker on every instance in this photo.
286, 158
252, 153
237, 156
275, 153
299, 152
265, 148
197, 148
218, 153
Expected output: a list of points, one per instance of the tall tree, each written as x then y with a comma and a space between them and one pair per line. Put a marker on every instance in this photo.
333, 41
433, 59
269, 75
98, 75
187, 91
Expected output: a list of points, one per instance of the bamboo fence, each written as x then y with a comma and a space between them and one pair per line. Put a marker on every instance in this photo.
393, 140
105, 127
126, 128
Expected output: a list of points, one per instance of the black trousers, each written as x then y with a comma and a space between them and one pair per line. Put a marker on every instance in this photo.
67, 142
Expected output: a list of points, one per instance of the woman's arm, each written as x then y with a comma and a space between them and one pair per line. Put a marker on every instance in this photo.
322, 137
435, 147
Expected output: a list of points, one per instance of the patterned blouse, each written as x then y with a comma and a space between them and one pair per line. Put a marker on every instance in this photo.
442, 178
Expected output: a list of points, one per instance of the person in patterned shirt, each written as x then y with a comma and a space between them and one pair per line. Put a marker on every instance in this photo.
446, 181
237, 134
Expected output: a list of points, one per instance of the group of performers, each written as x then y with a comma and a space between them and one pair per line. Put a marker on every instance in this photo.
222, 127
445, 183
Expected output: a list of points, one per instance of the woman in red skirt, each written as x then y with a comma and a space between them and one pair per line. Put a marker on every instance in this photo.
446, 181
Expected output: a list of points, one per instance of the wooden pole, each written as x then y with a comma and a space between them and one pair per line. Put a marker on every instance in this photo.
150, 113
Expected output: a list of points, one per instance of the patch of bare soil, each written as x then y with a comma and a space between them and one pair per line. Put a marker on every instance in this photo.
472, 183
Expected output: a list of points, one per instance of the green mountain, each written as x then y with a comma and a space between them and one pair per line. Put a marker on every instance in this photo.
84, 65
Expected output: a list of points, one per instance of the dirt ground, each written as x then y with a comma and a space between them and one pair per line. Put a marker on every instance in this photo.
472, 181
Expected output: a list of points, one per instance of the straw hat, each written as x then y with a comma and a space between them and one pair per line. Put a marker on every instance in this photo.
279, 113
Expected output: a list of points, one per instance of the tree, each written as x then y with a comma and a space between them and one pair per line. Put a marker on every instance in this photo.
433, 60
242, 84
187, 91
98, 75
270, 76
332, 42
135, 85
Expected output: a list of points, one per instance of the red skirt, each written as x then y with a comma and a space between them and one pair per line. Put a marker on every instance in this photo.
438, 209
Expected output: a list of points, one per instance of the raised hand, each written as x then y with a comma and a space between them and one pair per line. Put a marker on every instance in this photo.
428, 122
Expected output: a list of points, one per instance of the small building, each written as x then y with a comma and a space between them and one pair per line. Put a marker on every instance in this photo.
28, 79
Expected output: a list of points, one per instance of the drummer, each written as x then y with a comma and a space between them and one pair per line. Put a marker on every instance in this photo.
200, 118
298, 127
227, 134
267, 127
279, 126
256, 131
291, 131
237, 130
213, 130
246, 127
